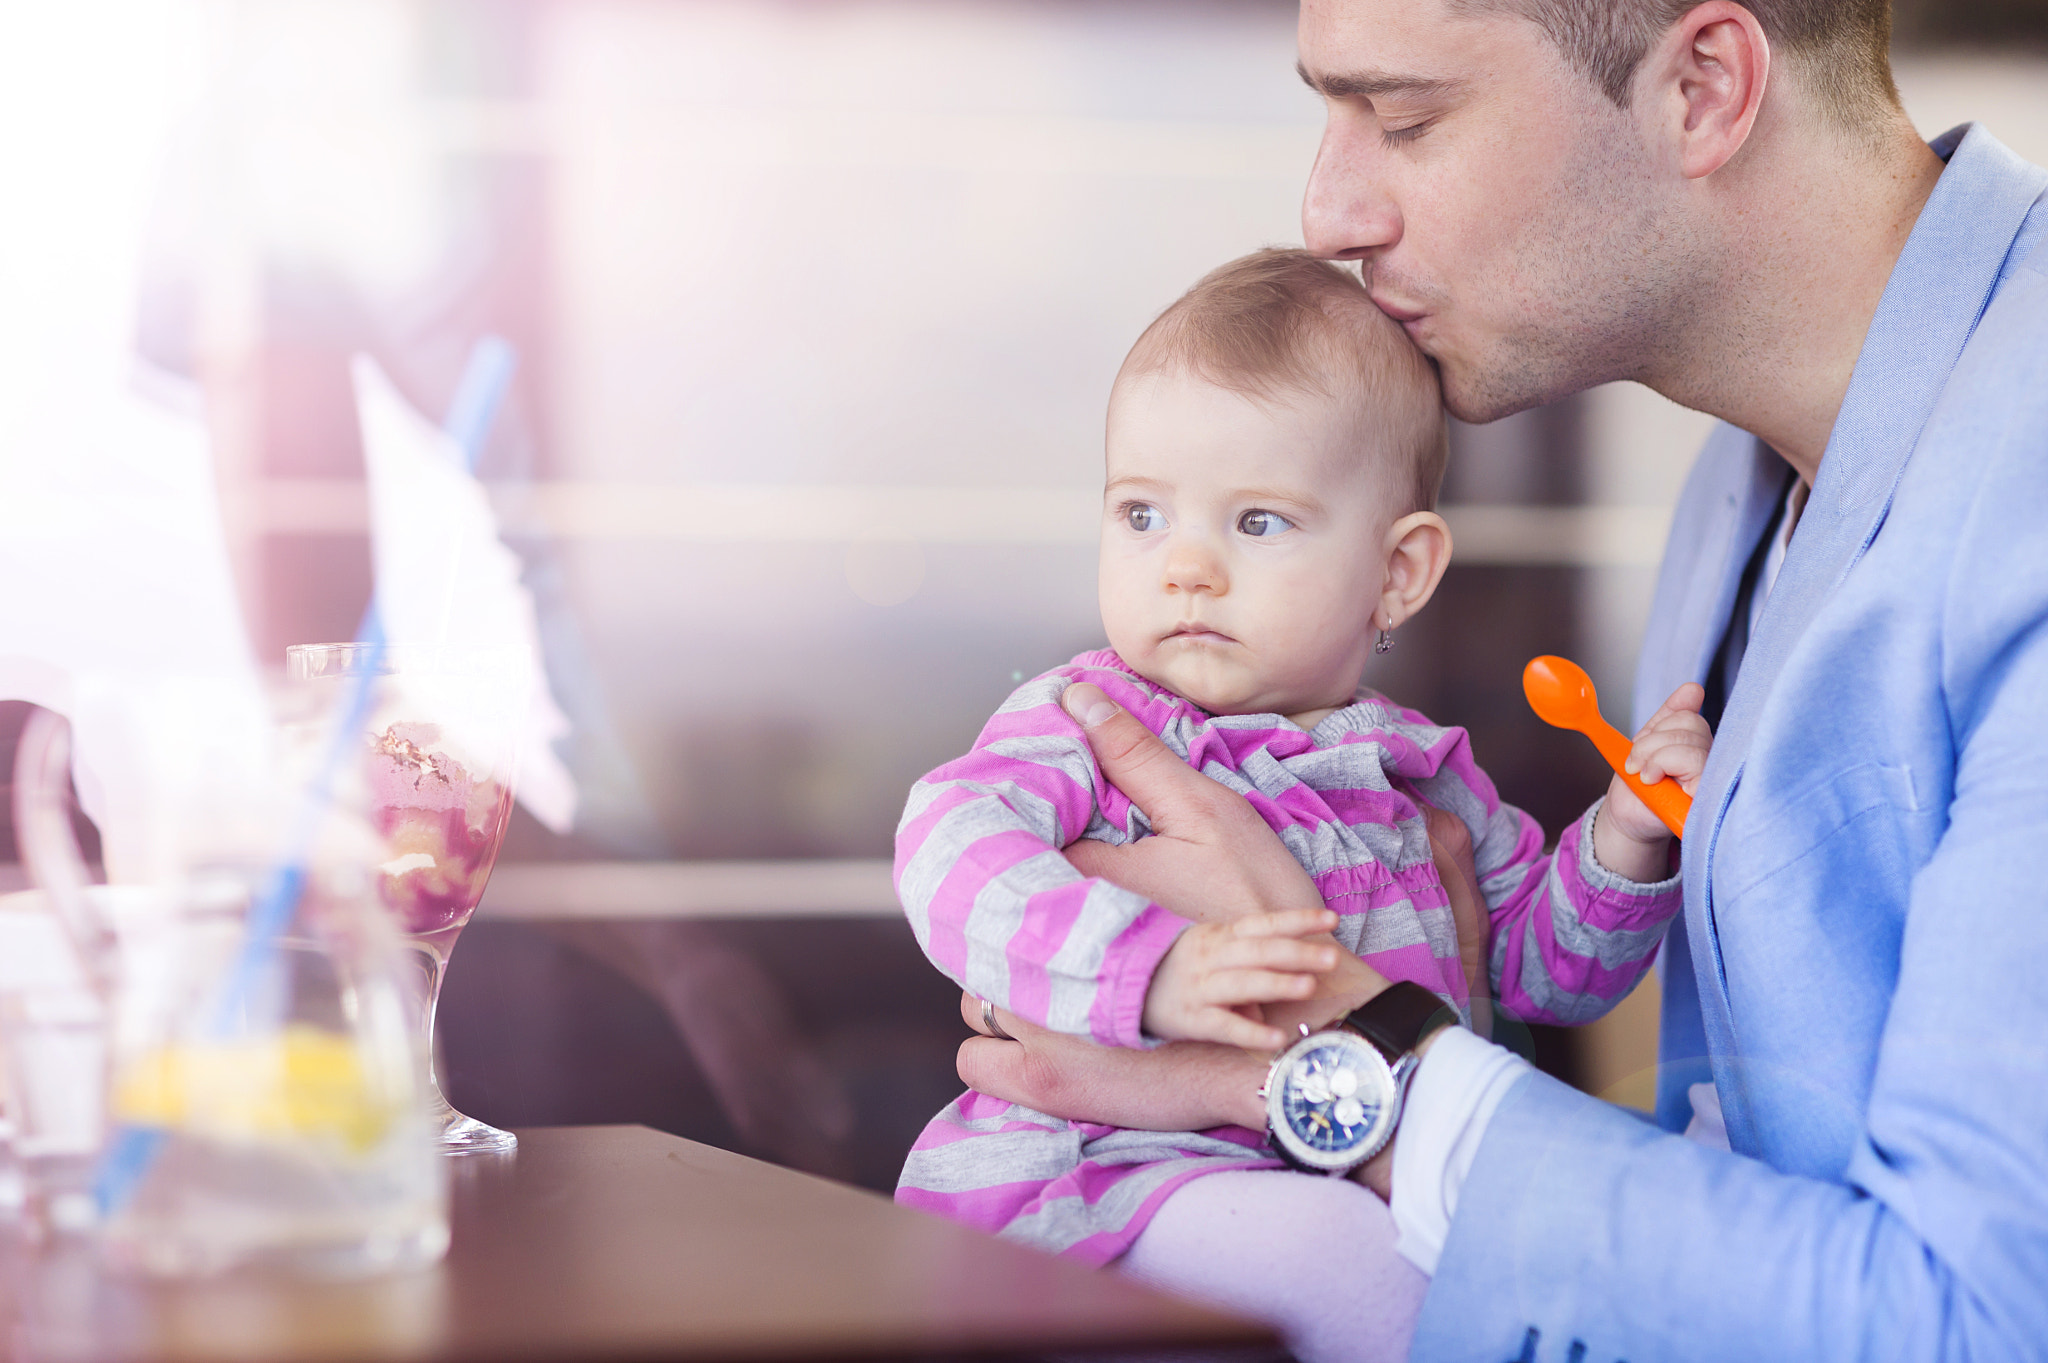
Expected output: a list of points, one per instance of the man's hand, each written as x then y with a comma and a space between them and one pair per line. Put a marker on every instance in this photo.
1627, 838
1210, 858
1450, 844
1183, 1086
1210, 983
1186, 1086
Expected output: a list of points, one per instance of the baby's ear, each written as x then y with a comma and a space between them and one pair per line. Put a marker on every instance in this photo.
1418, 552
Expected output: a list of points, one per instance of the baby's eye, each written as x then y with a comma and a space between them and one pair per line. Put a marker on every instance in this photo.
1263, 524
1143, 517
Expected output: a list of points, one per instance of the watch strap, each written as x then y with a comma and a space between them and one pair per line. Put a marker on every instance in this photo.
1398, 1018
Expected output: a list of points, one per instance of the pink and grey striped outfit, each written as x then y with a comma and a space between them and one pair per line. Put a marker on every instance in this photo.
1001, 912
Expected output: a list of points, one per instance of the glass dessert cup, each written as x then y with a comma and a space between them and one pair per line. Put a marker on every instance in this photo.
439, 749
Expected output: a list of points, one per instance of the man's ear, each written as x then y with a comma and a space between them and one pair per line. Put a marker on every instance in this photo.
1704, 82
1418, 551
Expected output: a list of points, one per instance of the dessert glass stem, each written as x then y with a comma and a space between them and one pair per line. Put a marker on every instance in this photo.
458, 1134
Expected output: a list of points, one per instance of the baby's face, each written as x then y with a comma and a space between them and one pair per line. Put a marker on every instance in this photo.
1242, 554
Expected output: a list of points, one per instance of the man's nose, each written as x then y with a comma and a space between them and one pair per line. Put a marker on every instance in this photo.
1192, 565
1347, 213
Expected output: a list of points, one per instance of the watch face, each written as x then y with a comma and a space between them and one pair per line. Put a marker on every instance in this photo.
1331, 1101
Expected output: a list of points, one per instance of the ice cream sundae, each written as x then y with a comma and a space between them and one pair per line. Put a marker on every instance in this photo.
441, 825
438, 764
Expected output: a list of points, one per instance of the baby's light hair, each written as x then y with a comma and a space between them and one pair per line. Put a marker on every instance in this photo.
1281, 322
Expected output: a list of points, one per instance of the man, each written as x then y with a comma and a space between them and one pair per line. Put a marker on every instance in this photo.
1727, 204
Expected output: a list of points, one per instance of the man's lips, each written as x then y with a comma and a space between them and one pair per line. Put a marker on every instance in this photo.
1399, 312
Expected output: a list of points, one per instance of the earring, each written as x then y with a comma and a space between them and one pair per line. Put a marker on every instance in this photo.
1382, 641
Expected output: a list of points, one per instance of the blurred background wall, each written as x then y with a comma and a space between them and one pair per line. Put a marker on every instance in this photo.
816, 304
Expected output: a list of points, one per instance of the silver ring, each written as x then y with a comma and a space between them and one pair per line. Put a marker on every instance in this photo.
989, 1023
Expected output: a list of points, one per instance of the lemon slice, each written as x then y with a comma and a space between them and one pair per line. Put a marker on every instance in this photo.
303, 1083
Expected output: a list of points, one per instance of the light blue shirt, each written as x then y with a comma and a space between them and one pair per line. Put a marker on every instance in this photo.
1864, 967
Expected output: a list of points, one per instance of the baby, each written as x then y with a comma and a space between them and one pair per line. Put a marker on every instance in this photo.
1274, 447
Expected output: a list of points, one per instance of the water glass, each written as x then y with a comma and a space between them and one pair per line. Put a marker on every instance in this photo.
268, 1099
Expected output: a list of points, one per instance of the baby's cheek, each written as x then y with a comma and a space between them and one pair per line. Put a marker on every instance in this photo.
1123, 619
1134, 647
1313, 656
1178, 673
1313, 601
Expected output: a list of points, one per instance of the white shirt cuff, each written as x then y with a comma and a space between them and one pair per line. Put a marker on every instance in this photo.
1444, 1117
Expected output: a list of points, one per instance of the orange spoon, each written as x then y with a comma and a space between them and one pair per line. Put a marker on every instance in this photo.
1562, 695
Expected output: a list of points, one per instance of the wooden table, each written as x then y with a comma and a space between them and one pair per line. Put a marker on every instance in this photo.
622, 1243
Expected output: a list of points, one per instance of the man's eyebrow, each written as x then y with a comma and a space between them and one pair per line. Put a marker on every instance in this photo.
1373, 84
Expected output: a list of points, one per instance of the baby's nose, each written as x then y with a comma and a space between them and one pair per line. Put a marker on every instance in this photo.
1192, 568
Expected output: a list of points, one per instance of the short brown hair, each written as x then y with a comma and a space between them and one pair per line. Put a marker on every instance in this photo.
1846, 44
1279, 321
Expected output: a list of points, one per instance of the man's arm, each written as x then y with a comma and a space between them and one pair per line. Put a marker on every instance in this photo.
1583, 1232
1201, 825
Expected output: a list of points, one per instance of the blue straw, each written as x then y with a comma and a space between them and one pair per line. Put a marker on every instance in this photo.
485, 379
133, 1149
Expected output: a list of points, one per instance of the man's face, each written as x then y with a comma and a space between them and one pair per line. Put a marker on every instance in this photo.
1242, 545
1503, 208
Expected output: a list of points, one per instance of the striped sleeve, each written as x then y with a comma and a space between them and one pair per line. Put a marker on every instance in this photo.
1571, 938
994, 904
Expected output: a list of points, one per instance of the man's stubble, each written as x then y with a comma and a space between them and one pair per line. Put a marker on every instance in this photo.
1599, 282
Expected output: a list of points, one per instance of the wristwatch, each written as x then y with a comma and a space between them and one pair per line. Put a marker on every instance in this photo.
1333, 1098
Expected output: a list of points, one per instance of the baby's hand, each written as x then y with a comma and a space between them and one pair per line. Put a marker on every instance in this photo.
1210, 983
1673, 744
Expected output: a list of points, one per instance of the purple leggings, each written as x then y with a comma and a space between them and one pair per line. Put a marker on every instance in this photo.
1311, 1256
